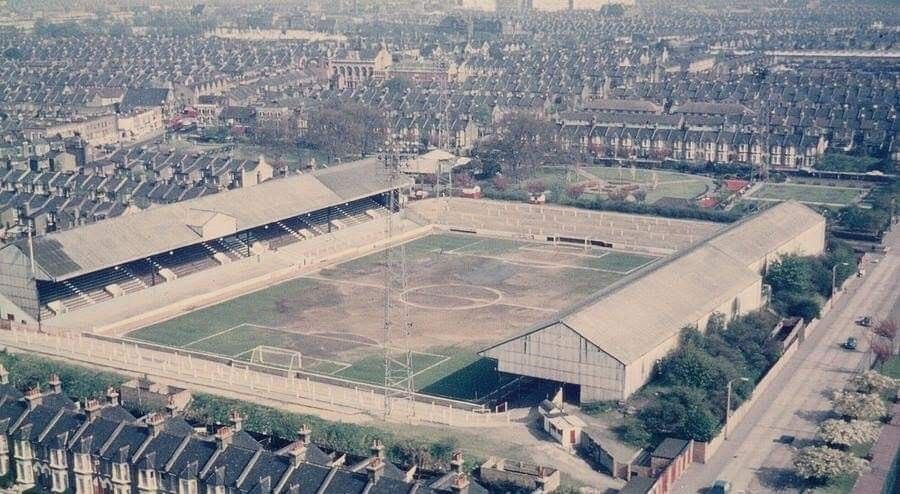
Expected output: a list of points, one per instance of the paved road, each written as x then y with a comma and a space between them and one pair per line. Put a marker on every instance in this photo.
752, 459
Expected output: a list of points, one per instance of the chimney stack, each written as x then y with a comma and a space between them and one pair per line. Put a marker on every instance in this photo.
171, 409
223, 437
112, 396
155, 423
297, 453
456, 462
236, 419
460, 484
33, 397
55, 384
375, 469
377, 449
4, 375
304, 435
92, 409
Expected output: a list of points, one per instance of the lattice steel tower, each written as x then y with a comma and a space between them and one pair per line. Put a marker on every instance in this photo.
398, 372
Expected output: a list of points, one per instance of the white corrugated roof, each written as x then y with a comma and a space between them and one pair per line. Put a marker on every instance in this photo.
159, 229
633, 317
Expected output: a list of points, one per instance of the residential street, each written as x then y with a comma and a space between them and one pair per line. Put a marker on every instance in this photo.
753, 459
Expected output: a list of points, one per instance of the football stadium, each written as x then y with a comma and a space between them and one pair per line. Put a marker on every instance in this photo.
289, 275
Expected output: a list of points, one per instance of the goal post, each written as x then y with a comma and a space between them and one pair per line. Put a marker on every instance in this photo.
277, 357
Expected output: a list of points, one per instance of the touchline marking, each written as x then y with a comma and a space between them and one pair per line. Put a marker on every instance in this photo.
213, 335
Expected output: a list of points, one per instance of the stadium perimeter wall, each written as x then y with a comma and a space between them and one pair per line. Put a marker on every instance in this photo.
653, 235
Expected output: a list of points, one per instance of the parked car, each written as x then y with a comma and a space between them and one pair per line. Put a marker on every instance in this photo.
720, 487
851, 343
864, 321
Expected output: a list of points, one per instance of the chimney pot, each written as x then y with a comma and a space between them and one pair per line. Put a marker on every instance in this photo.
92, 409
155, 422
236, 419
456, 462
112, 396
377, 449
375, 469
460, 484
304, 434
33, 397
224, 436
55, 383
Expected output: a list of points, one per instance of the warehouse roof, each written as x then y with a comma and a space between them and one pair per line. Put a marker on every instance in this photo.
632, 317
639, 316
752, 239
160, 229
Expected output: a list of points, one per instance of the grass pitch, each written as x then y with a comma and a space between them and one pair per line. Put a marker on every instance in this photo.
812, 194
463, 293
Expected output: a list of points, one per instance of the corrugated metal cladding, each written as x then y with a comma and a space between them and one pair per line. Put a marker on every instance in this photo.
16, 285
111, 242
634, 322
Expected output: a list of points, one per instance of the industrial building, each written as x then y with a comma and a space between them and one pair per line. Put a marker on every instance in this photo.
606, 347
74, 269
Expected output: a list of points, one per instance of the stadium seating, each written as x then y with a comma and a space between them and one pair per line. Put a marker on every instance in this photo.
137, 275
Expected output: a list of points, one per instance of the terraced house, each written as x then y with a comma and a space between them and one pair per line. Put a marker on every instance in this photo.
53, 444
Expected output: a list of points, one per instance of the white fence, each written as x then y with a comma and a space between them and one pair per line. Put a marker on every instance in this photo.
241, 381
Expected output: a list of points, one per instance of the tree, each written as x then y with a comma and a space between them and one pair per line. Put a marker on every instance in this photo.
791, 304
870, 382
822, 464
886, 329
882, 350
500, 182
862, 220
522, 143
536, 187
681, 412
634, 433
845, 434
859, 405
691, 366
574, 191
790, 273
346, 130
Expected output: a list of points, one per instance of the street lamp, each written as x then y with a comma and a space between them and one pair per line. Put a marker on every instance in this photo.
834, 279
728, 402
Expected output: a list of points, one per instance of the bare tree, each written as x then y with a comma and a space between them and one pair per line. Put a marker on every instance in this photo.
522, 143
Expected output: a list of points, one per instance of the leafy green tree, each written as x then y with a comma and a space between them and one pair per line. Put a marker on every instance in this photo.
863, 220
806, 306
691, 366
681, 412
790, 273
634, 433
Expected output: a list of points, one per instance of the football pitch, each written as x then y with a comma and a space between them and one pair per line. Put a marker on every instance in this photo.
812, 194
463, 292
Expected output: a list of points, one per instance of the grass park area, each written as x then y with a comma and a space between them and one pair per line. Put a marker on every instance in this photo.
657, 184
811, 194
463, 293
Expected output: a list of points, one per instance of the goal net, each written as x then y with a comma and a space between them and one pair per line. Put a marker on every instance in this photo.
276, 357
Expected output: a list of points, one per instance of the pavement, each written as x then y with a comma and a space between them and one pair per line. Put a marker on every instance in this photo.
753, 459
